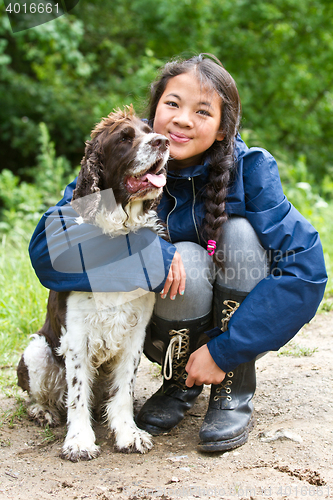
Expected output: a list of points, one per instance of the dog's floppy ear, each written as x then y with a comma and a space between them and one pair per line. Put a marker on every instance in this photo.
89, 181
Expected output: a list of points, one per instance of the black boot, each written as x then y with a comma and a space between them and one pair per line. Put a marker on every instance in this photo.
173, 344
229, 416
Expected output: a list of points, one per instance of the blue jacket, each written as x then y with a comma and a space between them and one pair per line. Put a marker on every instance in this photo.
71, 256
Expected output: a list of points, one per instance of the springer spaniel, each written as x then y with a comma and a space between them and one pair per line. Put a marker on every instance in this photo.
90, 345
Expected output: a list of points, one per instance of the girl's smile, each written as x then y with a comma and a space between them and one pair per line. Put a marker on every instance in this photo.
189, 115
179, 138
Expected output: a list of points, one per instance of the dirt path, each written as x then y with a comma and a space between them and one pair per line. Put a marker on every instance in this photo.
288, 455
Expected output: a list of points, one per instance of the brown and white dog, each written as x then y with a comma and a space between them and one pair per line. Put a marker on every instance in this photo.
90, 345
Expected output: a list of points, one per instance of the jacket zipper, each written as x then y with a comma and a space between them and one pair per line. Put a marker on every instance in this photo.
193, 216
167, 221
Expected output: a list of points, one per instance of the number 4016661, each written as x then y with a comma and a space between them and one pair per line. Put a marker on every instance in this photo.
32, 8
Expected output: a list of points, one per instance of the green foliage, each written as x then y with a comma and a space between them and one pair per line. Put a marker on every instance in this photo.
23, 203
52, 173
284, 72
71, 71
300, 188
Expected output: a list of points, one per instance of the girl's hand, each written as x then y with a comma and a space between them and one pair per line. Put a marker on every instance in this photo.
176, 279
202, 369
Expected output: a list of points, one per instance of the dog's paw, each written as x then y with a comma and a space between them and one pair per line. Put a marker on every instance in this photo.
133, 441
75, 451
43, 416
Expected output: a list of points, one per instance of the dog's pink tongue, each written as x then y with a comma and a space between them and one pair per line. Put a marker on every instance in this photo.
134, 184
156, 180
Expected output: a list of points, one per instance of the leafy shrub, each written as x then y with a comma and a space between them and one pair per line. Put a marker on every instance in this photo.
23, 203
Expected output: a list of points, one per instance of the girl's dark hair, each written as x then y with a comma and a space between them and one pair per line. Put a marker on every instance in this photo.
211, 73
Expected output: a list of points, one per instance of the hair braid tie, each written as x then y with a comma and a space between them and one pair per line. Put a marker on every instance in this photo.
211, 247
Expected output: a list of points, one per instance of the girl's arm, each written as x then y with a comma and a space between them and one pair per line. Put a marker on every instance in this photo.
71, 256
282, 303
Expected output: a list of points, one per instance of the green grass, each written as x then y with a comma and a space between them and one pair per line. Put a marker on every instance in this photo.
324, 226
319, 214
9, 417
22, 305
296, 351
48, 435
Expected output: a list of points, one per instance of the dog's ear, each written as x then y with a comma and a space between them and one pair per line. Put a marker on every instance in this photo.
89, 182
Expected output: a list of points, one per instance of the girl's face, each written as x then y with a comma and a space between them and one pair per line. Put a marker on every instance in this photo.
189, 115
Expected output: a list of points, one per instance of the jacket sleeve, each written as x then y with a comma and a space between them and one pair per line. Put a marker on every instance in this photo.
282, 303
69, 255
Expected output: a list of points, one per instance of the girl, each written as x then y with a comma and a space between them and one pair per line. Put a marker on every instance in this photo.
240, 258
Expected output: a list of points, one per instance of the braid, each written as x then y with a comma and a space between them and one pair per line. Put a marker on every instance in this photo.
221, 166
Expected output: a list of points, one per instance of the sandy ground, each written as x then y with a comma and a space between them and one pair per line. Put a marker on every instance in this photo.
288, 455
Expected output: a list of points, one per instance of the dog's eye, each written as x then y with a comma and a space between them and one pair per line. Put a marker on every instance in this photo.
127, 135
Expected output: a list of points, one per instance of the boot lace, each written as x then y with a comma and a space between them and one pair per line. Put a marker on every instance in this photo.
175, 362
232, 307
223, 390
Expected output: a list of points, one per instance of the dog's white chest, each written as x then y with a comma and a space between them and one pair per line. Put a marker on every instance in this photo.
103, 323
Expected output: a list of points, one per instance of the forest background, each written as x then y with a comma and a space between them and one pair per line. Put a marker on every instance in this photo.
58, 79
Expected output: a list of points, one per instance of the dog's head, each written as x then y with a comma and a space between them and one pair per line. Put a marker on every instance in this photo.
124, 155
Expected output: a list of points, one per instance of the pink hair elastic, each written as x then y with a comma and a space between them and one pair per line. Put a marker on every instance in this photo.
211, 246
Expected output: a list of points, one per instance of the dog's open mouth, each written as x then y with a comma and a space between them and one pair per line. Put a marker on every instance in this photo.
153, 178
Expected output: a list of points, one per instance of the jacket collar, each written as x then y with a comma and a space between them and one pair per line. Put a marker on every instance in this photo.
195, 171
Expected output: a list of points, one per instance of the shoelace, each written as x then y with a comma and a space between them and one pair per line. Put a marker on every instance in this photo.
224, 386
232, 306
181, 337
223, 390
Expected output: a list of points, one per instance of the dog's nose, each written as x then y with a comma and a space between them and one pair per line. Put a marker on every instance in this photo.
160, 142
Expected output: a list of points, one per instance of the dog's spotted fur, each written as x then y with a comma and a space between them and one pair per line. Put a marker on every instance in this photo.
90, 345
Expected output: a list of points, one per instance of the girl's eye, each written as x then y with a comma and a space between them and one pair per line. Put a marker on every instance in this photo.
204, 112
172, 104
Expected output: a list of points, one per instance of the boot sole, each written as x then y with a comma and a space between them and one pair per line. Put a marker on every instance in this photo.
154, 431
229, 444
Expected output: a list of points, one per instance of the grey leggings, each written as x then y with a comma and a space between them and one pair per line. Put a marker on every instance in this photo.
245, 264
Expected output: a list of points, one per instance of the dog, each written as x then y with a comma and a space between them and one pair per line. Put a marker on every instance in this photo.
90, 346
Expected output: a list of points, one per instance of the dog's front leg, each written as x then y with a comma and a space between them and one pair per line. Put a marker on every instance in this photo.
119, 410
80, 440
